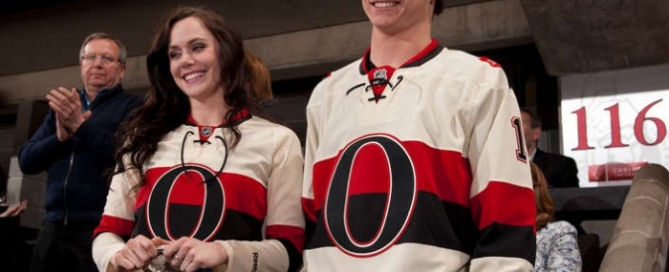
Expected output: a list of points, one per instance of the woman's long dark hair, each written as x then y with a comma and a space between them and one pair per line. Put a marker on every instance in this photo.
166, 107
543, 199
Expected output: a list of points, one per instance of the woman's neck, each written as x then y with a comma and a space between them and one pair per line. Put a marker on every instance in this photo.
209, 113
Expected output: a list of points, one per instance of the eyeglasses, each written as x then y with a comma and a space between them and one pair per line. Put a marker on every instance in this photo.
106, 59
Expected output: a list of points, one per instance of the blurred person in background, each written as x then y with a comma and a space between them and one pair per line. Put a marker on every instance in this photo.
557, 244
75, 146
560, 171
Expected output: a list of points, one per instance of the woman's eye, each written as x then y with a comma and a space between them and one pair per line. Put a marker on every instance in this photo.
198, 47
173, 54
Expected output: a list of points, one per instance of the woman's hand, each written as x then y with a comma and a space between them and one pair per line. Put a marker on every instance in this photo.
136, 254
190, 254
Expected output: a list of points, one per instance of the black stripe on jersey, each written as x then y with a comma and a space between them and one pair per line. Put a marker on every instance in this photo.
294, 255
498, 240
310, 228
424, 59
183, 220
433, 222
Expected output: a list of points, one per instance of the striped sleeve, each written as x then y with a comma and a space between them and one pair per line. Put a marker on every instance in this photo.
313, 114
502, 199
117, 220
282, 249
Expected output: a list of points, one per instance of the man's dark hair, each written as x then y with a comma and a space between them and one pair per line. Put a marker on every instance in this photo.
438, 7
535, 121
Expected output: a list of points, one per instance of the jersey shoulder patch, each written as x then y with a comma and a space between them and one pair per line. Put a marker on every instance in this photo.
489, 61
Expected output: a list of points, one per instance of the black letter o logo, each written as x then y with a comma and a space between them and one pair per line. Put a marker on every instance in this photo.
400, 200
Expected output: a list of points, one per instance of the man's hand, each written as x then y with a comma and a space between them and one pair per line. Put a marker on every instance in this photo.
62, 132
15, 209
69, 113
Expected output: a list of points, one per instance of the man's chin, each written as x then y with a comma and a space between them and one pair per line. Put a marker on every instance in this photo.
99, 85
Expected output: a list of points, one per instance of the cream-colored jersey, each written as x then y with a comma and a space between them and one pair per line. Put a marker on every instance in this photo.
417, 168
246, 197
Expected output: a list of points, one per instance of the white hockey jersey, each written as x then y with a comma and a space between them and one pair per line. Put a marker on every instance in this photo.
247, 197
417, 168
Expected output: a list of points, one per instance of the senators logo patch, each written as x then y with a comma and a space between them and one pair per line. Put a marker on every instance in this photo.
176, 209
374, 177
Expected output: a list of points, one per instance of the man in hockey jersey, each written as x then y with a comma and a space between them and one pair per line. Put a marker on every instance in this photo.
199, 177
414, 157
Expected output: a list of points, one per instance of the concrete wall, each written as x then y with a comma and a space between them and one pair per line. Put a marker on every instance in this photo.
479, 26
288, 55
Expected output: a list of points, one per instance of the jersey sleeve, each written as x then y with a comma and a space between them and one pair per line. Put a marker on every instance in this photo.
282, 249
501, 197
117, 219
312, 140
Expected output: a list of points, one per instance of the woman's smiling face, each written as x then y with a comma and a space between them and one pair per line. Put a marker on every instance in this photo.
193, 53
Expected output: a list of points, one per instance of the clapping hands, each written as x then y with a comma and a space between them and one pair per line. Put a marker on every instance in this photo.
69, 112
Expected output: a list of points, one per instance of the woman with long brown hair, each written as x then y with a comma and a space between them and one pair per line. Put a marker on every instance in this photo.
201, 180
557, 247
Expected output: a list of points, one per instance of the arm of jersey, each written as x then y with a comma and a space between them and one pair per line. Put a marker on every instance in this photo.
564, 254
502, 199
43, 148
308, 204
105, 246
117, 219
282, 251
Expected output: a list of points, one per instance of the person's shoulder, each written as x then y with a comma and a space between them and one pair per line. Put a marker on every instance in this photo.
353, 68
123, 94
554, 156
262, 124
465, 66
131, 101
343, 78
131, 97
468, 60
561, 228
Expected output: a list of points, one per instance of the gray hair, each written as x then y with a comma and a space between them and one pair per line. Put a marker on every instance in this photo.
123, 53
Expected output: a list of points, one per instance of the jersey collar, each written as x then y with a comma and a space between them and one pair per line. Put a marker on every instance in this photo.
241, 116
429, 52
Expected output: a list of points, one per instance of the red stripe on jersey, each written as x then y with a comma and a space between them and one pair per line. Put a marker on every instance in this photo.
245, 195
242, 193
119, 226
441, 172
309, 208
291, 233
504, 203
